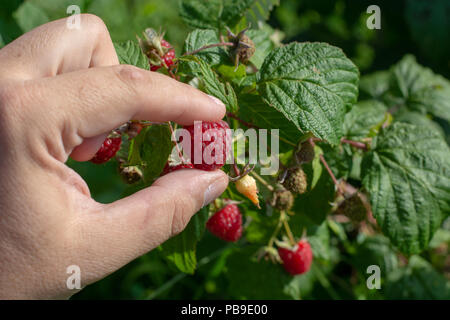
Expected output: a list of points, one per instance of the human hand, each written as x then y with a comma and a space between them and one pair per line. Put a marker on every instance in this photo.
61, 92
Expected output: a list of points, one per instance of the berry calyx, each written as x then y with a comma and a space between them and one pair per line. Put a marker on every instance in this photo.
158, 51
226, 223
297, 260
295, 180
353, 207
108, 150
215, 144
168, 168
305, 153
247, 186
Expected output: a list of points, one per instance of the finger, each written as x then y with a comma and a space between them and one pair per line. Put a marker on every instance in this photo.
54, 48
88, 148
96, 100
134, 225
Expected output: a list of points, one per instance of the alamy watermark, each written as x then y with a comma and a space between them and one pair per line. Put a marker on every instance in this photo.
74, 21
374, 21
73, 282
374, 280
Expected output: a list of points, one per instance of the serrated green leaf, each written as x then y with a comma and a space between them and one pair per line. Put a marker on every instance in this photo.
407, 174
200, 38
263, 45
213, 14
417, 280
150, 150
181, 249
130, 52
259, 11
311, 84
362, 117
419, 89
254, 110
418, 119
212, 84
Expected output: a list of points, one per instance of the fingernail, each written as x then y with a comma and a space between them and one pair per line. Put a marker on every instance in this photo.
216, 101
213, 191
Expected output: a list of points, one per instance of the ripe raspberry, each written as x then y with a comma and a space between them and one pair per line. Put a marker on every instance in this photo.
108, 150
353, 207
214, 138
168, 168
298, 259
247, 186
283, 200
226, 223
295, 180
130, 174
305, 153
167, 57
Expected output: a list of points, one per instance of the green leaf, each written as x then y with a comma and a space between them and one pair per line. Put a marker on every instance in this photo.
181, 249
418, 119
200, 38
374, 85
363, 116
407, 176
130, 52
213, 14
418, 280
212, 84
420, 89
150, 150
29, 16
259, 11
263, 45
254, 110
311, 84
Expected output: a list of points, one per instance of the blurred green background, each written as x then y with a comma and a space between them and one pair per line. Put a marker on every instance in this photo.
417, 27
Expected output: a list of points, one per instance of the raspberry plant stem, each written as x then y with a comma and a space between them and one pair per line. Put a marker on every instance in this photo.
275, 232
327, 167
287, 228
260, 179
220, 44
356, 144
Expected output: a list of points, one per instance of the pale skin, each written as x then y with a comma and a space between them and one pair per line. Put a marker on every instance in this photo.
61, 91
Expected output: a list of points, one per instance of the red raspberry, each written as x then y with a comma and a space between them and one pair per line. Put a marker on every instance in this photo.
226, 223
108, 150
168, 57
215, 134
298, 259
168, 168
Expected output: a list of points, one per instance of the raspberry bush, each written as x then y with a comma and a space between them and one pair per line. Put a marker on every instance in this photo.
358, 157
364, 176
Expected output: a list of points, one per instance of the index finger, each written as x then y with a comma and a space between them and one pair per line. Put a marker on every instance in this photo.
97, 100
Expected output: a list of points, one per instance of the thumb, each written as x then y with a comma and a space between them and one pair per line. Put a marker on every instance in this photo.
134, 225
